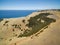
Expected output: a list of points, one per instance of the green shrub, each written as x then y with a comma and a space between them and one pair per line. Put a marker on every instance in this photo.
16, 26
6, 22
23, 21
37, 25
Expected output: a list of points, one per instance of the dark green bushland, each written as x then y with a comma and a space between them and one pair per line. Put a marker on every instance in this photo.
37, 25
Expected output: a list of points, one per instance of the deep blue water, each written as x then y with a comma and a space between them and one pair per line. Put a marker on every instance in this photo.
14, 13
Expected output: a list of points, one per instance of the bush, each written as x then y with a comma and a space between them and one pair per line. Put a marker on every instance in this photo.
23, 21
6, 22
37, 25
16, 26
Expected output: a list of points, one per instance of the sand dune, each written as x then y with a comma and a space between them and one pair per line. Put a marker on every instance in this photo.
11, 28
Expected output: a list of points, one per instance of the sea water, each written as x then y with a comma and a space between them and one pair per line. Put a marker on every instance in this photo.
15, 13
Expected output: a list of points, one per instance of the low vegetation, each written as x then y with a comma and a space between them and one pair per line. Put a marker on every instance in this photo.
6, 23
10, 39
37, 25
23, 21
16, 26
1, 20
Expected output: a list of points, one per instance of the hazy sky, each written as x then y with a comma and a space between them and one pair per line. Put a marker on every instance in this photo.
29, 4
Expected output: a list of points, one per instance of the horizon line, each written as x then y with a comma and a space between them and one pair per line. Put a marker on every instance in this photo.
29, 9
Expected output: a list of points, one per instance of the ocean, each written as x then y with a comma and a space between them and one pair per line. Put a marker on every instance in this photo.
14, 13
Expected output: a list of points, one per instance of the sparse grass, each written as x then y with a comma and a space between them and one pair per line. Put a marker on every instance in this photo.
14, 43
13, 30
1, 38
10, 39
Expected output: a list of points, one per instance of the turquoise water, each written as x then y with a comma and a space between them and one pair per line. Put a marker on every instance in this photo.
14, 13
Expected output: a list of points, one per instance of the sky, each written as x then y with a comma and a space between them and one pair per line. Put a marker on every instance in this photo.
29, 4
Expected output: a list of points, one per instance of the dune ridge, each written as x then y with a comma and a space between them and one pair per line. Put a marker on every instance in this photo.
38, 28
